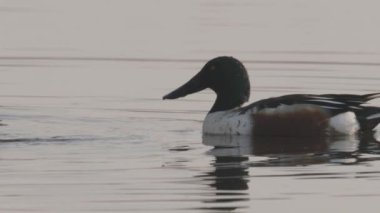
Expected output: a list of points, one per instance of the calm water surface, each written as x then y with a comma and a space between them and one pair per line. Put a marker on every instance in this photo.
84, 129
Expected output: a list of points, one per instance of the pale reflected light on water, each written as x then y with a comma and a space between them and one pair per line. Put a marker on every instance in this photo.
83, 127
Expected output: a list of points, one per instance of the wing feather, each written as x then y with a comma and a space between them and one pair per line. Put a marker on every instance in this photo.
334, 104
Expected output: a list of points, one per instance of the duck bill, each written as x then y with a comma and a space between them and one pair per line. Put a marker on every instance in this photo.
194, 85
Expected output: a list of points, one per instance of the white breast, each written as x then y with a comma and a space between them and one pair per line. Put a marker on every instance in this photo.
229, 122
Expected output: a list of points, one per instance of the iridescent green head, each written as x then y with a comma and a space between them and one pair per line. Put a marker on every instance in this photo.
226, 76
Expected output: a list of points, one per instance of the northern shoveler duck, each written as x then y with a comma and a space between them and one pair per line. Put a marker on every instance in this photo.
289, 115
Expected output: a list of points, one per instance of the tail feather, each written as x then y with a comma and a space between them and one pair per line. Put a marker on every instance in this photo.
369, 117
371, 96
372, 124
353, 100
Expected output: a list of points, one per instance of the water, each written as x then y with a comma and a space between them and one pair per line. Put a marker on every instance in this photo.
84, 128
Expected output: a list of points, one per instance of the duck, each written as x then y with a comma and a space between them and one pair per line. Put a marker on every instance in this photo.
284, 116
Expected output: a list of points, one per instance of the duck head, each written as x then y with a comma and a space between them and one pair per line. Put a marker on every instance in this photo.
226, 76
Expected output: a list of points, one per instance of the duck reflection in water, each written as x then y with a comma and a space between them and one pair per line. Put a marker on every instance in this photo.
235, 154
230, 178
293, 151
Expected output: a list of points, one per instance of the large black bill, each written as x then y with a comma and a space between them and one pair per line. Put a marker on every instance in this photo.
194, 85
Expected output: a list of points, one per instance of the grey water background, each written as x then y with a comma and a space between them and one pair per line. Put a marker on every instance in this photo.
84, 129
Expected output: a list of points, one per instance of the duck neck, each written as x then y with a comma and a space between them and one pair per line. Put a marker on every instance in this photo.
225, 102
